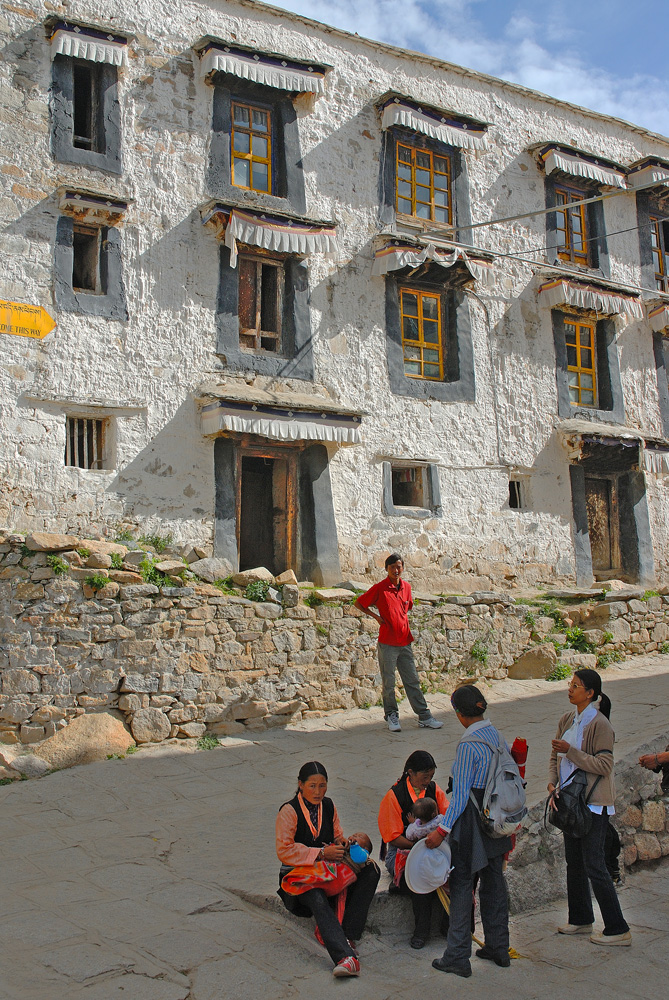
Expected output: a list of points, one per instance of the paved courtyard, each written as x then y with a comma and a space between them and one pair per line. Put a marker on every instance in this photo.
148, 877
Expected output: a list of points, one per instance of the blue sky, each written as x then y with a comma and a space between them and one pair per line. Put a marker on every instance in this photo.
609, 55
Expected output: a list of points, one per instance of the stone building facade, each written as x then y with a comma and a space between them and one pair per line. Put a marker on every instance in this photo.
286, 325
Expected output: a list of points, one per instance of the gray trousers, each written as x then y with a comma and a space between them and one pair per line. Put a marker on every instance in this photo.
494, 909
400, 658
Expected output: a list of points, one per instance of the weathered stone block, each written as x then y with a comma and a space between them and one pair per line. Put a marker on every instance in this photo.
130, 703
150, 725
249, 710
247, 576
648, 846
227, 728
653, 816
192, 730
132, 591
99, 560
48, 713
211, 569
44, 541
535, 663
19, 682
17, 711
140, 683
632, 817
87, 738
32, 734
290, 595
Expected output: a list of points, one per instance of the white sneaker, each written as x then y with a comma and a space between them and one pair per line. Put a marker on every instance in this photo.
575, 929
430, 723
393, 721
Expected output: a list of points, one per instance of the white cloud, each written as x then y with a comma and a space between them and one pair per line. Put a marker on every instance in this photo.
453, 31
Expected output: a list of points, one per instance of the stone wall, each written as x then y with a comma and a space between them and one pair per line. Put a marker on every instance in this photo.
208, 659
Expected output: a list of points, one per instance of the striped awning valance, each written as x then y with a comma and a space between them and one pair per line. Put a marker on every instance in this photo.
658, 316
649, 173
579, 165
282, 235
562, 292
445, 128
278, 423
270, 70
87, 43
395, 256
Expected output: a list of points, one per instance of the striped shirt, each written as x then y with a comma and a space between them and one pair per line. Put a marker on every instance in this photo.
470, 769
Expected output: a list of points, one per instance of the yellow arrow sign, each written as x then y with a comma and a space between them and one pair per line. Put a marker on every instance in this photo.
22, 320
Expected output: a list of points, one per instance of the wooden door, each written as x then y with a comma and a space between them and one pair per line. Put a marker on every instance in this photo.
601, 505
266, 507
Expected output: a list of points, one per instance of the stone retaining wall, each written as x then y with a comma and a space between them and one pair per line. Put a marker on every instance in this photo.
181, 659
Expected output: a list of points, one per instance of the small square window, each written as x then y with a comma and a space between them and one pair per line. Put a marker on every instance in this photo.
261, 282
409, 486
516, 494
86, 242
85, 442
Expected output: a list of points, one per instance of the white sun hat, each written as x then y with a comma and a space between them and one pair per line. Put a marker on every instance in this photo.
427, 869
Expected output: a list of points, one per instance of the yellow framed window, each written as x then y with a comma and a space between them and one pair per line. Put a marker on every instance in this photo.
659, 253
581, 362
423, 184
571, 226
421, 334
251, 147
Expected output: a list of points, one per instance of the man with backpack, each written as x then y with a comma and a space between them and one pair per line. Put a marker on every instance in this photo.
487, 804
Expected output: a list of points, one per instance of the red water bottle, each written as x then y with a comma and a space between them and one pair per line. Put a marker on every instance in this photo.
519, 754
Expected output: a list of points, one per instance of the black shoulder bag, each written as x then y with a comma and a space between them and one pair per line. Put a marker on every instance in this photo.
572, 815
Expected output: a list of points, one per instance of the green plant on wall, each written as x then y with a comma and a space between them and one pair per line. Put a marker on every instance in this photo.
96, 581
116, 560
150, 574
560, 672
257, 591
479, 652
157, 542
59, 566
577, 640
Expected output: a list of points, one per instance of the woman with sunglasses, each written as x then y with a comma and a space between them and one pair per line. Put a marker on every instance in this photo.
585, 740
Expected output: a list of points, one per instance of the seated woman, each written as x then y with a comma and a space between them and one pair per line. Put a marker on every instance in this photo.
395, 815
308, 832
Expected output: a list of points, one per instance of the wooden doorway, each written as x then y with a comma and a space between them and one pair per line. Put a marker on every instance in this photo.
266, 507
601, 502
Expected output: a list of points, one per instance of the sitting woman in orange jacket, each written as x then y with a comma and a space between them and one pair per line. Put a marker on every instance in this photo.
415, 782
308, 832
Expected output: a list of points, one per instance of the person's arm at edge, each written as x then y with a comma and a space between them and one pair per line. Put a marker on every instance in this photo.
390, 822
370, 598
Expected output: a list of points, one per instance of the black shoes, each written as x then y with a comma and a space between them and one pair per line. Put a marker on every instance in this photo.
417, 942
502, 960
458, 970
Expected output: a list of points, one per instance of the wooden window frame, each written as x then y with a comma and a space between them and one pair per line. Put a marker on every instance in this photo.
579, 369
418, 149
95, 231
256, 332
420, 471
567, 208
249, 157
85, 442
420, 343
95, 142
659, 252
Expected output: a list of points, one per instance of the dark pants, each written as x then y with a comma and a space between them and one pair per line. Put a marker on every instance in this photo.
358, 898
494, 909
585, 860
400, 658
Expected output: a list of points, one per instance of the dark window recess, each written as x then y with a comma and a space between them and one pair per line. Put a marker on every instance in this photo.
86, 259
516, 499
86, 108
260, 303
409, 487
84, 442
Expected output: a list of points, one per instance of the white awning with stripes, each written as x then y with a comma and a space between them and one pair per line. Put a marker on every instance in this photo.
561, 292
272, 71
580, 166
78, 44
466, 136
394, 257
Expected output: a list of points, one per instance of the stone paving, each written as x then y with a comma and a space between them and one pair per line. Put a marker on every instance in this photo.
147, 877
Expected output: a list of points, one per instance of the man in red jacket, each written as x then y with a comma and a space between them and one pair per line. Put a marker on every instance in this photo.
393, 601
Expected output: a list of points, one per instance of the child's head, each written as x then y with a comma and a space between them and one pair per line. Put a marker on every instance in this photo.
363, 840
424, 809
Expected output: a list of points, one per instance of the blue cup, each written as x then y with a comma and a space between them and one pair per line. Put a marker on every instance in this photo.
358, 854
